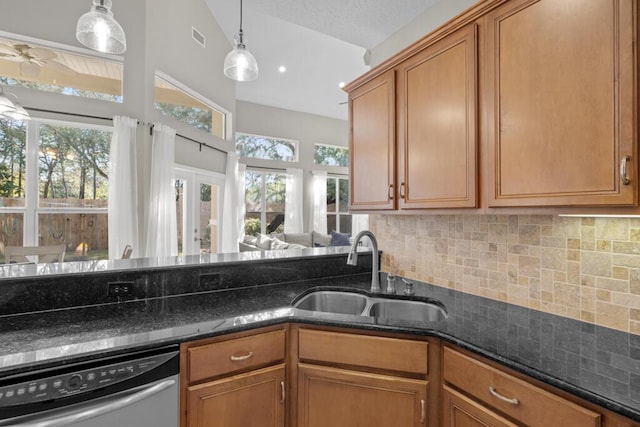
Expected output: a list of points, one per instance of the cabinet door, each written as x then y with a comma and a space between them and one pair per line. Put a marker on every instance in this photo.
460, 411
437, 131
560, 103
372, 144
341, 398
254, 399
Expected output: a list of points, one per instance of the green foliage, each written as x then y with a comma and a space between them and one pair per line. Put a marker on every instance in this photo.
12, 158
252, 226
331, 156
262, 147
196, 117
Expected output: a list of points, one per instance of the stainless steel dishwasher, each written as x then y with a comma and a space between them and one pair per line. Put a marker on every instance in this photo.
137, 389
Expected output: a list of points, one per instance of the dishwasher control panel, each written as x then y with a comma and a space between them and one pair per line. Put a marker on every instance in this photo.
59, 386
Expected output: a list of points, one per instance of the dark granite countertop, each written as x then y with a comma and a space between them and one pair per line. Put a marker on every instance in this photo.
595, 363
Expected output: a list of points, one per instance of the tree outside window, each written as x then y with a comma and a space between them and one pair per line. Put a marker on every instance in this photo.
71, 187
265, 201
338, 217
331, 155
264, 147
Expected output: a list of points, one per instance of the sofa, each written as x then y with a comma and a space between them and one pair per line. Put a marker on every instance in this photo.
279, 241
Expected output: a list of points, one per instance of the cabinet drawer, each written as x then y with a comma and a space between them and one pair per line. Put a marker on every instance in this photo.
528, 404
361, 350
234, 355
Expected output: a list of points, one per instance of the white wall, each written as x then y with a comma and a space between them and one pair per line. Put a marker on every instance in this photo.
423, 24
307, 129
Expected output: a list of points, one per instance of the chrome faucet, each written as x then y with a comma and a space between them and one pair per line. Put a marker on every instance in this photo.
352, 259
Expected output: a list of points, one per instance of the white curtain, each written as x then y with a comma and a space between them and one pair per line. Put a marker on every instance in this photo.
233, 209
293, 222
123, 194
318, 211
162, 227
359, 222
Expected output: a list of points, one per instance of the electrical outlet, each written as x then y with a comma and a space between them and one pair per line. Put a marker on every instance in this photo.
120, 289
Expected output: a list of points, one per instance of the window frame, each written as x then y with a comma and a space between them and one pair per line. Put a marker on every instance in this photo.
337, 178
32, 209
263, 193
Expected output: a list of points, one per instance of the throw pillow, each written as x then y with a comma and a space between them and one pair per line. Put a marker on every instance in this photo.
321, 239
279, 244
340, 239
263, 242
303, 239
250, 240
296, 246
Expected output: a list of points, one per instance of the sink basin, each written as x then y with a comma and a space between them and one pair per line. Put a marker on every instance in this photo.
416, 311
333, 302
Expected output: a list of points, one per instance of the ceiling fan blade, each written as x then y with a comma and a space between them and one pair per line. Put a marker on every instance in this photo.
42, 53
57, 66
8, 50
29, 69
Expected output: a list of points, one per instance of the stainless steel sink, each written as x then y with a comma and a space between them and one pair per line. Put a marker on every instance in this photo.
416, 311
380, 308
333, 302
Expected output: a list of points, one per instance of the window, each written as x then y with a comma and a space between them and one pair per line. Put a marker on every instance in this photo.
65, 201
175, 101
35, 64
338, 217
268, 148
264, 201
331, 155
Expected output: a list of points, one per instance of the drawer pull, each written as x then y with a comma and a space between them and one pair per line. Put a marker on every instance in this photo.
283, 395
402, 193
623, 170
390, 191
235, 358
423, 415
512, 400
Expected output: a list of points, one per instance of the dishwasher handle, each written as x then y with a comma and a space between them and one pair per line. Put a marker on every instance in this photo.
94, 412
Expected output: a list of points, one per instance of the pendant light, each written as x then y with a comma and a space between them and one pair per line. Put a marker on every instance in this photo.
240, 65
12, 109
98, 30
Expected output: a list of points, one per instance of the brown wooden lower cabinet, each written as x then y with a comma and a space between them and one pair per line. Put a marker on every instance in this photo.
460, 411
254, 399
341, 398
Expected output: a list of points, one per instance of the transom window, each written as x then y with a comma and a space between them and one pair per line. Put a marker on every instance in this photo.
35, 64
331, 155
265, 147
175, 100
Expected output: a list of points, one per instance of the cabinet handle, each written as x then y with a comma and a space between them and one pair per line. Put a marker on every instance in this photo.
402, 190
623, 170
390, 191
511, 400
283, 395
235, 358
423, 415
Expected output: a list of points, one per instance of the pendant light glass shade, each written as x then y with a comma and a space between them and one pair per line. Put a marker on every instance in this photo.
239, 64
12, 109
98, 30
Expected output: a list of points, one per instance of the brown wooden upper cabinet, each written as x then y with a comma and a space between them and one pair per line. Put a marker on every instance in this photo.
560, 93
372, 144
424, 112
437, 132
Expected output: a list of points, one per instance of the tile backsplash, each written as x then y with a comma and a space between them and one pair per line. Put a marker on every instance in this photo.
582, 268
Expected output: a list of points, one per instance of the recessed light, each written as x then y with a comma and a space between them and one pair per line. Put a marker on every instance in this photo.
282, 68
341, 85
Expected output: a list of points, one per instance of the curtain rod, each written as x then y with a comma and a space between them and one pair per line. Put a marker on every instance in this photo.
87, 116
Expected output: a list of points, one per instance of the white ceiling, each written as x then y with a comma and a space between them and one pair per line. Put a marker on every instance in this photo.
321, 43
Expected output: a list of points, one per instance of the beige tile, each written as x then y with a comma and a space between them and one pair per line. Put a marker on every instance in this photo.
634, 234
603, 295
596, 263
626, 260
573, 272
634, 327
612, 228
529, 266
559, 276
588, 281
612, 284
587, 316
554, 259
566, 227
588, 299
546, 230
634, 281
625, 300
529, 235
553, 242
612, 316
626, 248
573, 255
518, 249
634, 314
498, 233
573, 243
587, 239
588, 222
603, 245
566, 295
621, 273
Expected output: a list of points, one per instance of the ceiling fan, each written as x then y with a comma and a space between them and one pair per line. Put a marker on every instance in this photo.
32, 59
